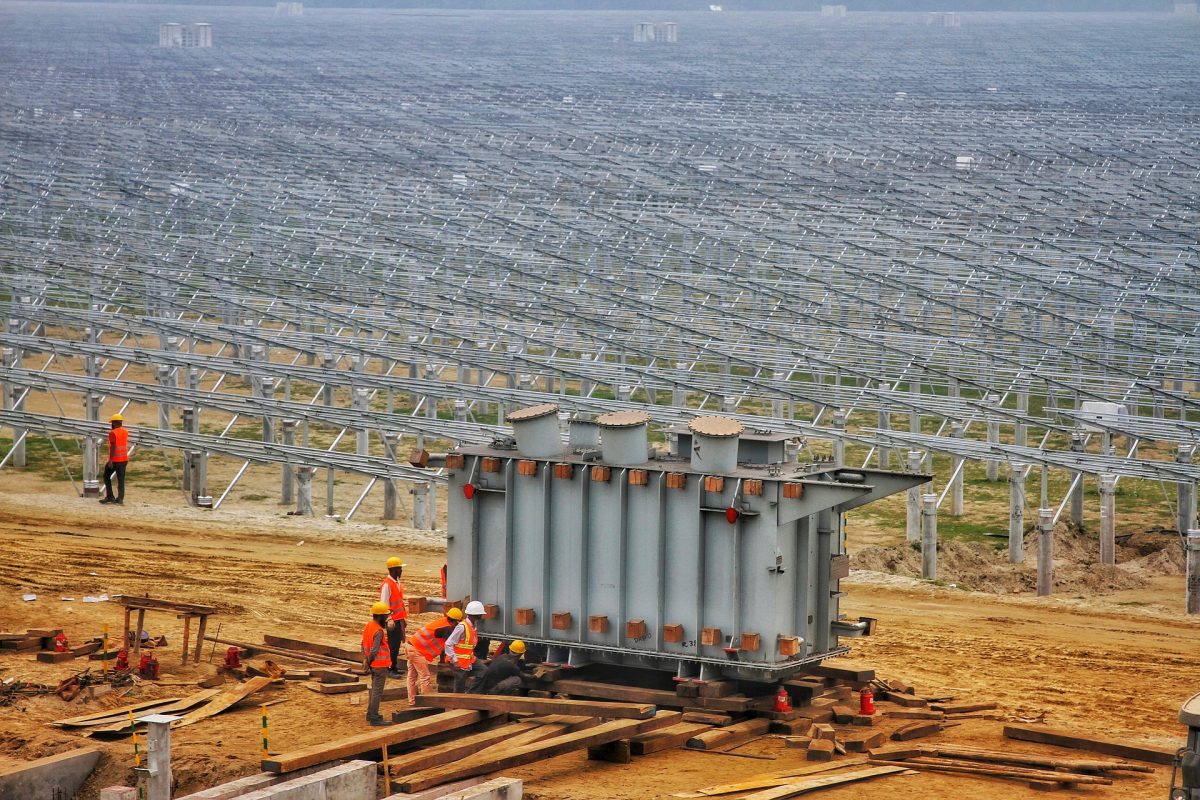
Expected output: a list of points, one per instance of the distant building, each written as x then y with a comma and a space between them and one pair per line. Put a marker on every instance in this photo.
833, 11
187, 34
289, 9
655, 32
1186, 9
945, 19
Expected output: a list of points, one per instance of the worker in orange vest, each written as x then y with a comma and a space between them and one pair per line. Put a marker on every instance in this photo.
444, 595
391, 592
118, 459
424, 648
460, 647
376, 659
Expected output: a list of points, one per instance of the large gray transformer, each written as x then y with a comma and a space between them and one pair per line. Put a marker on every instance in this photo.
718, 558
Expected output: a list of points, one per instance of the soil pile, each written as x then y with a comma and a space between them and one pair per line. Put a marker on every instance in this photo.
984, 567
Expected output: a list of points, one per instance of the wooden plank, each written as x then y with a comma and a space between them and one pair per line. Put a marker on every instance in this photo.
279, 651
1020, 758
659, 698
51, 657
666, 739
372, 741
84, 720
1111, 747
317, 648
915, 714
825, 781
617, 752
707, 718
489, 761
334, 688
487, 702
223, 701
916, 730
1020, 773
963, 708
117, 724
153, 603
843, 672
729, 736
906, 700
331, 676
768, 780
512, 735
862, 742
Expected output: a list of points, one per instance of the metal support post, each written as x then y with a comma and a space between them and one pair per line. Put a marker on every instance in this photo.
1045, 563
1185, 493
993, 436
287, 485
164, 409
266, 391
304, 477
885, 453
91, 448
1016, 514
12, 400
1193, 571
957, 467
1077, 446
912, 527
158, 756
1108, 521
1021, 431
392, 442
362, 438
420, 513
929, 537
839, 444
328, 362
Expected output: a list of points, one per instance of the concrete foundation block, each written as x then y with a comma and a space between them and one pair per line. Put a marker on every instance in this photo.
252, 783
118, 793
354, 780
53, 776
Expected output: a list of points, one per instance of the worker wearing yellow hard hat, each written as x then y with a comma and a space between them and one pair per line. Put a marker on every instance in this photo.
507, 672
118, 460
423, 650
376, 659
391, 594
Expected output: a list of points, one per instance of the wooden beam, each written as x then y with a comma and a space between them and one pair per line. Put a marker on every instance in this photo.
767, 780
730, 736
1019, 773
1111, 747
371, 741
665, 739
97, 717
842, 672
312, 658
1018, 758
513, 735
657, 697
493, 760
317, 648
223, 701
506, 703
116, 725
155, 604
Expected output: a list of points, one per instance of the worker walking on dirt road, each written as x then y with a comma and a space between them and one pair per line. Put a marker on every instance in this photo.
376, 659
460, 647
506, 674
423, 649
391, 593
118, 459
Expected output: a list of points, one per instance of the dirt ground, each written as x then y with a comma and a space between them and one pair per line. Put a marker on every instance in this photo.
1117, 664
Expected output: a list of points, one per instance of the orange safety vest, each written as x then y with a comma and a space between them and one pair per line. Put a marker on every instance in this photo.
383, 659
118, 445
464, 648
395, 597
425, 641
444, 595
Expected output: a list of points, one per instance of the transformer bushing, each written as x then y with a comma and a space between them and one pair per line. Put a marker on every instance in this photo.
627, 557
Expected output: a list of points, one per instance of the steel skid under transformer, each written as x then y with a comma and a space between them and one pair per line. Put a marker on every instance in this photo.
719, 558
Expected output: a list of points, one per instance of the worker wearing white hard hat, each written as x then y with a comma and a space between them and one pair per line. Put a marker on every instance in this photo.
460, 646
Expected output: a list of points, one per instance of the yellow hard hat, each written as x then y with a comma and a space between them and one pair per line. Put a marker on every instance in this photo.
380, 607
455, 614
517, 647
116, 418
394, 562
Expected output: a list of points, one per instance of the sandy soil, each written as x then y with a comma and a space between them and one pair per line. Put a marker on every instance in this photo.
1118, 664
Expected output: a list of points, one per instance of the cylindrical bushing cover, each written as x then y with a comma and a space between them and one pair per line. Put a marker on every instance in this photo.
536, 430
623, 441
583, 433
715, 444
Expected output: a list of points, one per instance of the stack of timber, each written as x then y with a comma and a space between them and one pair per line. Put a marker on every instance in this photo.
1036, 770
788, 783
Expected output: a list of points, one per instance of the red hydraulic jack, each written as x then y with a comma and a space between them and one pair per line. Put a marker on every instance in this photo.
783, 703
122, 662
60, 644
233, 658
149, 667
866, 702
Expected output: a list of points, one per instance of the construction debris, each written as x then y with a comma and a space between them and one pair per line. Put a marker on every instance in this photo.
1112, 747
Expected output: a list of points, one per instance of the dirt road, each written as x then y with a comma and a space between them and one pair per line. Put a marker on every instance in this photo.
1118, 665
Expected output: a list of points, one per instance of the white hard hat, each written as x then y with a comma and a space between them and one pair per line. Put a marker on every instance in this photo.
475, 609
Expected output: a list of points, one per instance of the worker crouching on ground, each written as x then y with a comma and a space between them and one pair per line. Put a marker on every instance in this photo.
507, 673
460, 647
118, 459
391, 594
423, 651
376, 659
